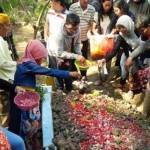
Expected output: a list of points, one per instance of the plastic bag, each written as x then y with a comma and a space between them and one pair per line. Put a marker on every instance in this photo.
103, 72
100, 46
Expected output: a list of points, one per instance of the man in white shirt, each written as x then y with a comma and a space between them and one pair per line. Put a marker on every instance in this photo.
7, 65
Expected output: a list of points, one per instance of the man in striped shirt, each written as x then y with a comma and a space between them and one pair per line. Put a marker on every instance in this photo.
86, 13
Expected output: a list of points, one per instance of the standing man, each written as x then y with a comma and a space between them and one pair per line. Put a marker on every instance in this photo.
7, 71
69, 49
86, 13
7, 65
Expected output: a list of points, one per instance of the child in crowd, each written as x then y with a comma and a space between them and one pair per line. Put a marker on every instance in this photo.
25, 79
69, 49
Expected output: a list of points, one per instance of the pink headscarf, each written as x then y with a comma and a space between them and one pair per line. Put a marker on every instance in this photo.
34, 50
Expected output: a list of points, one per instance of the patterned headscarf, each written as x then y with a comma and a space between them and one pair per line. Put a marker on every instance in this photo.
34, 50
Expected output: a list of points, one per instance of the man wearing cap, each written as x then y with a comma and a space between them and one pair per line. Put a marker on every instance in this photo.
7, 65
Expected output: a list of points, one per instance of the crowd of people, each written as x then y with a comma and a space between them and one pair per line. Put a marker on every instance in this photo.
67, 31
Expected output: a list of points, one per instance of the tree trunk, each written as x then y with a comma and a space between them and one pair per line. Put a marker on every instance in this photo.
36, 27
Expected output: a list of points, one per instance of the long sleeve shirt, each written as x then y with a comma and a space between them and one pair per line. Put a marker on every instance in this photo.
55, 22
70, 47
145, 46
120, 45
7, 65
25, 74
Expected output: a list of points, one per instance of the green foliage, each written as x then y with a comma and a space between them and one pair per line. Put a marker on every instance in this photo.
41, 91
24, 10
8, 5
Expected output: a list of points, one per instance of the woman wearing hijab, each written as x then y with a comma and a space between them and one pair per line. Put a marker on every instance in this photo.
125, 26
127, 40
21, 122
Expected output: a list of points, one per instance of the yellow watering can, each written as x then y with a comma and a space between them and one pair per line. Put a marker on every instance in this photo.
84, 66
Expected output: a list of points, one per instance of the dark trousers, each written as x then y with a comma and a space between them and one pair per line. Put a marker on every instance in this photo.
144, 55
14, 115
66, 83
52, 62
4, 85
84, 50
14, 112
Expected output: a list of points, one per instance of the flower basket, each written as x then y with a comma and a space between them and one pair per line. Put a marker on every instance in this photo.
27, 100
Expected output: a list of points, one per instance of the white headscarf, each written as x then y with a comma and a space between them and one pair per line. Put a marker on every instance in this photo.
130, 37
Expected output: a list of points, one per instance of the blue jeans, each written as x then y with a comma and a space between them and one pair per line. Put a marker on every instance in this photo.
122, 65
16, 142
